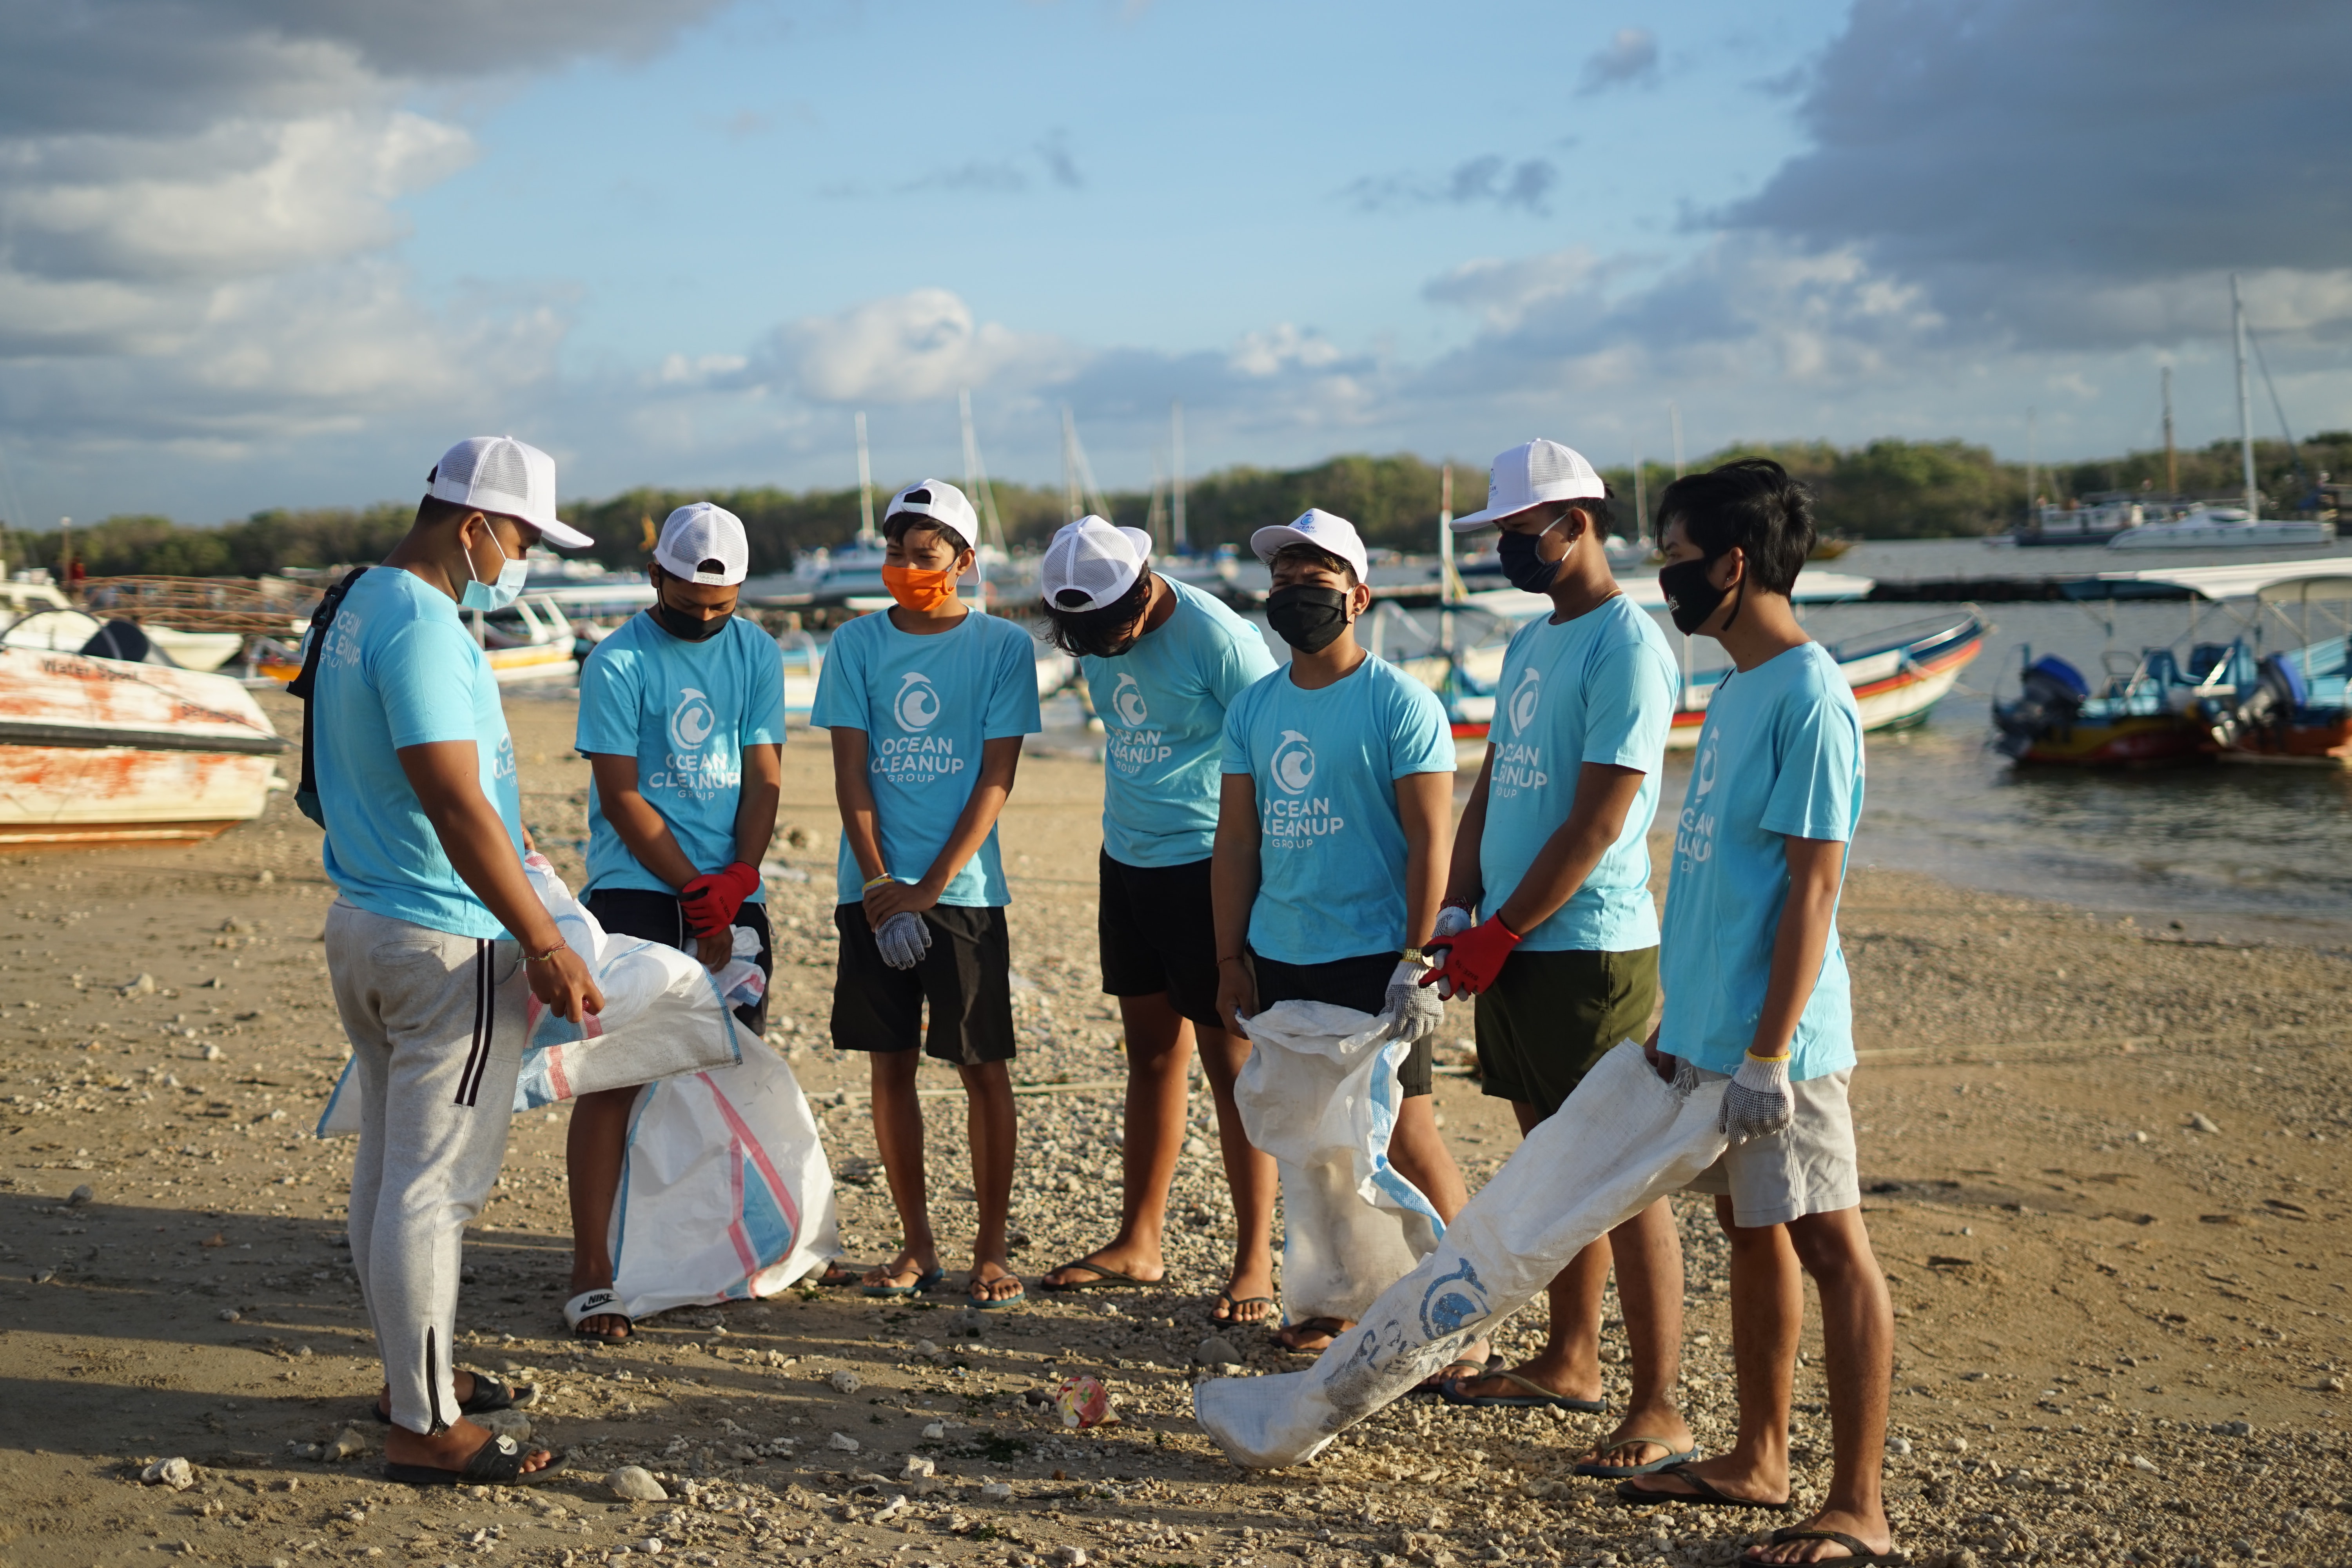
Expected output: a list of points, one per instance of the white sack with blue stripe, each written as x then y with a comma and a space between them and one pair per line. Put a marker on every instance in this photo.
1622, 1141
1319, 1094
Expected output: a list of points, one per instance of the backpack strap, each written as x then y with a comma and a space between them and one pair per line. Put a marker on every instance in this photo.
306, 791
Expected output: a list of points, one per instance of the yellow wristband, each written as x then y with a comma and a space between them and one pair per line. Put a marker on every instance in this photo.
1769, 1061
873, 882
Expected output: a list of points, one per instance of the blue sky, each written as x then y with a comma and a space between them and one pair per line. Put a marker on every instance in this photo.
257, 252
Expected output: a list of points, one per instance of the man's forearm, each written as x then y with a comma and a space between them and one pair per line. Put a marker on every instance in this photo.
1807, 915
1596, 816
474, 839
1466, 879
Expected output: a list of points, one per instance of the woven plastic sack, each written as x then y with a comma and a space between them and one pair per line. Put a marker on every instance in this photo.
1319, 1093
725, 1191
1622, 1141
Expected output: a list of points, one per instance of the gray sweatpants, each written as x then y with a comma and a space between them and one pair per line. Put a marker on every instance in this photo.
436, 1026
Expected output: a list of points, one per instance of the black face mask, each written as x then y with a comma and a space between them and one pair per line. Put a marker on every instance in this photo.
1308, 619
688, 629
1522, 567
1690, 597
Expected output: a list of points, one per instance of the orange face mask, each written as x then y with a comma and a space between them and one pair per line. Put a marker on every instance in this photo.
919, 589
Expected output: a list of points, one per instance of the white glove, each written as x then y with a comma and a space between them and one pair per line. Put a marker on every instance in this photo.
904, 938
1453, 920
1755, 1103
1412, 1008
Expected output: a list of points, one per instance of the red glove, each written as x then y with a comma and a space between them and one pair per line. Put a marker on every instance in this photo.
1472, 960
711, 900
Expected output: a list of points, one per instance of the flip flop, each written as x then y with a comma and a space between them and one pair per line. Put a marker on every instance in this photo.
1105, 1278
600, 1302
1702, 1494
1863, 1556
1434, 1388
497, 1463
1233, 1303
488, 1394
995, 1303
1537, 1397
925, 1282
1600, 1472
834, 1278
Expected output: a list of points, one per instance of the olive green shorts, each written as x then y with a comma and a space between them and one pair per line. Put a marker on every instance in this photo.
1550, 1017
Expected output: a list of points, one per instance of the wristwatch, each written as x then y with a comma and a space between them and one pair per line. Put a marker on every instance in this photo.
1414, 955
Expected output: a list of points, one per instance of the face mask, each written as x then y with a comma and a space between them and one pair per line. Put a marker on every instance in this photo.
1308, 619
919, 588
688, 629
1522, 567
497, 595
1690, 597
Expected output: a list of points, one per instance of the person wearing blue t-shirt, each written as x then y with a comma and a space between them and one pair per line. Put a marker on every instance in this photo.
436, 942
1162, 661
927, 703
1756, 989
682, 721
1553, 847
1333, 822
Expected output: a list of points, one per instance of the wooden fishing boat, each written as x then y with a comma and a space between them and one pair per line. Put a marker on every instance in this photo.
2143, 715
2294, 706
101, 751
1898, 675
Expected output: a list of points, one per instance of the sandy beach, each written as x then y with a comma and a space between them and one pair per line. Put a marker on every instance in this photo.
2104, 1165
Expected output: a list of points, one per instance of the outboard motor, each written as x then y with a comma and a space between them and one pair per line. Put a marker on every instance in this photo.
2053, 695
2277, 693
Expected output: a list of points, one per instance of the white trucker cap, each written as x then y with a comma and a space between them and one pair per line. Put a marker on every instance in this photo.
1529, 475
1091, 564
942, 504
1323, 530
510, 478
704, 544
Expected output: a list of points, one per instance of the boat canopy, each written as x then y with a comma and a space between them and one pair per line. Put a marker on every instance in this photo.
2233, 581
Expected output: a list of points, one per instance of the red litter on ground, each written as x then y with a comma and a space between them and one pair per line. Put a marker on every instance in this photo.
1083, 1401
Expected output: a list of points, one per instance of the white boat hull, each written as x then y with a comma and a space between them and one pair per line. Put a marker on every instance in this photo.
96, 750
2186, 534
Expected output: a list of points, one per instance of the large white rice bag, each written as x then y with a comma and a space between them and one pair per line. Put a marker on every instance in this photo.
1624, 1140
725, 1191
1319, 1094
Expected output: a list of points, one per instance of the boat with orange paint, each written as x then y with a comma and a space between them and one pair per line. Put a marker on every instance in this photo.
104, 750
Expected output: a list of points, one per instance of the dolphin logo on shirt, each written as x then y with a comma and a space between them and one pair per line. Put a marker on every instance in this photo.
1127, 701
916, 705
1293, 766
1525, 698
692, 721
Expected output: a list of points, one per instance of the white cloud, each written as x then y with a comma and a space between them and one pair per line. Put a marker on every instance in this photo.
905, 348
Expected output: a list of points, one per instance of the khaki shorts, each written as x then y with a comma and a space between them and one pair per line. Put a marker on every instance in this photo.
1808, 1169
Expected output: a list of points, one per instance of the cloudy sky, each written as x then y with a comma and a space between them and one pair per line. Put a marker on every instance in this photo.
263, 252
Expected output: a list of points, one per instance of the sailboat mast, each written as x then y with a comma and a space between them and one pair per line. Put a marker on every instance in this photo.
1675, 414
865, 486
2171, 458
1176, 457
2245, 404
2032, 501
1070, 466
1445, 577
974, 489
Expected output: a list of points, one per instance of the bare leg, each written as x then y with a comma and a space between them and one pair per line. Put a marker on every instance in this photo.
993, 1128
1858, 1353
1250, 1175
899, 1133
1768, 1304
594, 1146
1159, 1064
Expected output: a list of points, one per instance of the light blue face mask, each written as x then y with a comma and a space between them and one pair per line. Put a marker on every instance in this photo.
497, 595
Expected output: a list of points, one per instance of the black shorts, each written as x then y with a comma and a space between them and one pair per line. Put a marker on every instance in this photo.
660, 917
1551, 1015
967, 978
1361, 983
1158, 934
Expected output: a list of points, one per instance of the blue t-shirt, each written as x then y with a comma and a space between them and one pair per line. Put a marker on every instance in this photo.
1331, 847
1163, 705
399, 669
1779, 757
684, 710
927, 704
1598, 688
